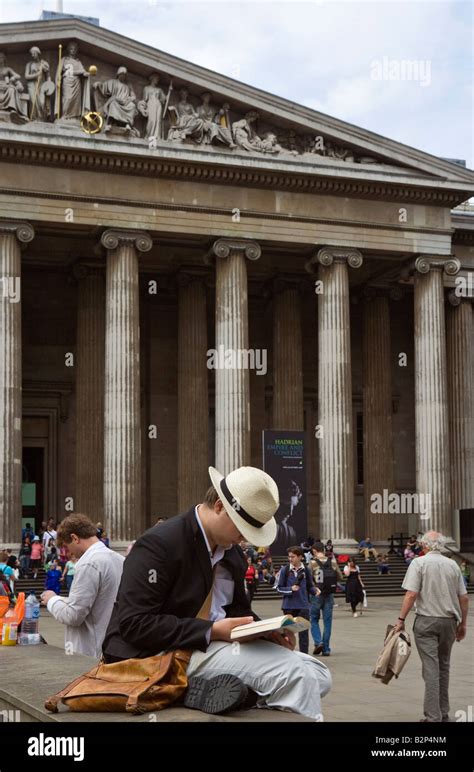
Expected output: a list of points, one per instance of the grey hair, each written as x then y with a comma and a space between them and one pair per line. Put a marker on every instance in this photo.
433, 540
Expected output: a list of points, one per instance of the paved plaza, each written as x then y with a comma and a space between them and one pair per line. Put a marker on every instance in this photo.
355, 643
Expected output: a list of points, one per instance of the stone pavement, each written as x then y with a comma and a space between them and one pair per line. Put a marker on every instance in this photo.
355, 695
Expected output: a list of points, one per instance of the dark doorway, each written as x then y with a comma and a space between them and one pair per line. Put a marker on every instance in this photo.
33, 486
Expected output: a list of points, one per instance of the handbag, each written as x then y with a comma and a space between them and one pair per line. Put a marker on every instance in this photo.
133, 685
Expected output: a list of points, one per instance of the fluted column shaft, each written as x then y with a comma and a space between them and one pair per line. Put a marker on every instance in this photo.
336, 460
431, 398
122, 448
459, 336
90, 356
232, 383
287, 359
193, 401
11, 236
378, 449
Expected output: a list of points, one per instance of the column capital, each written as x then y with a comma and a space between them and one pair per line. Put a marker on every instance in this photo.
223, 247
391, 292
22, 229
328, 255
82, 270
186, 275
424, 263
114, 237
455, 299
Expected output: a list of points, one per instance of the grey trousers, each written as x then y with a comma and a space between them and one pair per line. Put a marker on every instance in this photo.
283, 679
434, 637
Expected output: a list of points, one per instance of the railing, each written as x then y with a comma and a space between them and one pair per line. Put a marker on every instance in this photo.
398, 548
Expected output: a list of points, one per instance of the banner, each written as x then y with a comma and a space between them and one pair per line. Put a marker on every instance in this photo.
284, 460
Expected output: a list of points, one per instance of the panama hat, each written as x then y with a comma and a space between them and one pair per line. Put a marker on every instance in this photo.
250, 497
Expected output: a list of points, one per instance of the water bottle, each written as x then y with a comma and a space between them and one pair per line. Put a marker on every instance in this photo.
30, 623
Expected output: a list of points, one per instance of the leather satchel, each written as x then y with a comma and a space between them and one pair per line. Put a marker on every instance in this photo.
132, 685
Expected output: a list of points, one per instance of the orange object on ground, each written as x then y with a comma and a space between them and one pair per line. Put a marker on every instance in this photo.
4, 604
20, 606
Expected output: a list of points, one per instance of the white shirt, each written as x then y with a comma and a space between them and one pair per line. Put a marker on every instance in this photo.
47, 536
87, 610
223, 588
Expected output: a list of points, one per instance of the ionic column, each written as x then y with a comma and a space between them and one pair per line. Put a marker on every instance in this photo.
377, 406
90, 363
13, 234
193, 400
287, 357
431, 395
122, 448
336, 459
232, 383
459, 337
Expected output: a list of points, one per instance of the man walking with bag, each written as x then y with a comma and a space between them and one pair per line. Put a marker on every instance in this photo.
166, 579
434, 583
326, 574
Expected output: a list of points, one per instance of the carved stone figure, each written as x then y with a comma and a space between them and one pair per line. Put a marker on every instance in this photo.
40, 86
247, 138
72, 86
216, 122
269, 143
152, 106
320, 146
187, 122
13, 102
119, 107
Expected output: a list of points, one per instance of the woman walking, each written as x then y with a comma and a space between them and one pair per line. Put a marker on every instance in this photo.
354, 587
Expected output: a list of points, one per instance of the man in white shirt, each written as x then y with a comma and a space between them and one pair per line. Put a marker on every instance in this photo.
87, 609
49, 534
435, 585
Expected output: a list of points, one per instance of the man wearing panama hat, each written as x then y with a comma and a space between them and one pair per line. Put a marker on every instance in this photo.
165, 602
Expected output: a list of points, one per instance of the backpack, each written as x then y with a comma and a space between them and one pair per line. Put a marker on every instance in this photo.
326, 578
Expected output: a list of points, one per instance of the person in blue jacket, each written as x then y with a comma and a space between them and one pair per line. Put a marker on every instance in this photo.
53, 578
295, 583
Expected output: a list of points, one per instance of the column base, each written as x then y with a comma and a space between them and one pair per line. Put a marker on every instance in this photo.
121, 546
351, 546
15, 547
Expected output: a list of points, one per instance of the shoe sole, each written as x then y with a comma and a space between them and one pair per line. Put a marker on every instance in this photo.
215, 695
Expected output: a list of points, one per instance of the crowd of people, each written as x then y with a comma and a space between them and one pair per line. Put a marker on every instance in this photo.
40, 550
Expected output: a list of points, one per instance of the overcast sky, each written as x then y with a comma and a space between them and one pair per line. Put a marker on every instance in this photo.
332, 56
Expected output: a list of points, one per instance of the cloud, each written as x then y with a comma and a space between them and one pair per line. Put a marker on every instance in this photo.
318, 54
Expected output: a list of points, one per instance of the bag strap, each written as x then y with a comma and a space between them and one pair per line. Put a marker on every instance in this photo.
203, 612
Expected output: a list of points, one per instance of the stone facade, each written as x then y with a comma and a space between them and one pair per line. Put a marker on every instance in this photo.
174, 231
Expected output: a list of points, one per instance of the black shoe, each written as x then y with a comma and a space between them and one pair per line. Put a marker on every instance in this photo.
215, 695
318, 649
326, 653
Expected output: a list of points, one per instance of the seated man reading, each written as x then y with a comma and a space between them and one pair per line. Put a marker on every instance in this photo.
167, 578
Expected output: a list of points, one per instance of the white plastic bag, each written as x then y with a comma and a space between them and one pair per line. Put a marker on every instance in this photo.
365, 599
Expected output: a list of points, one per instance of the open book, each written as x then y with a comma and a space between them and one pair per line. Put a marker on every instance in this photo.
275, 624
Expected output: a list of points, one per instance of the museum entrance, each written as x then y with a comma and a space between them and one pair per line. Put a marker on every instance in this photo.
32, 489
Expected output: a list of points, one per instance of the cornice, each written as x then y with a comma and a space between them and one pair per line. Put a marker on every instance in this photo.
84, 160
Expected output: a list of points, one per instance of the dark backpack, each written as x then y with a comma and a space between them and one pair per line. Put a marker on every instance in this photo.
327, 582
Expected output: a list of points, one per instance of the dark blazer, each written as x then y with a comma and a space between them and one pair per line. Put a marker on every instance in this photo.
166, 579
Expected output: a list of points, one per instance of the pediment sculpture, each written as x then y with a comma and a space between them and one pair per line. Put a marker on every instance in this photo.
158, 114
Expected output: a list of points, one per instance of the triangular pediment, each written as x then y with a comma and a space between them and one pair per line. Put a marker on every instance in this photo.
282, 133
